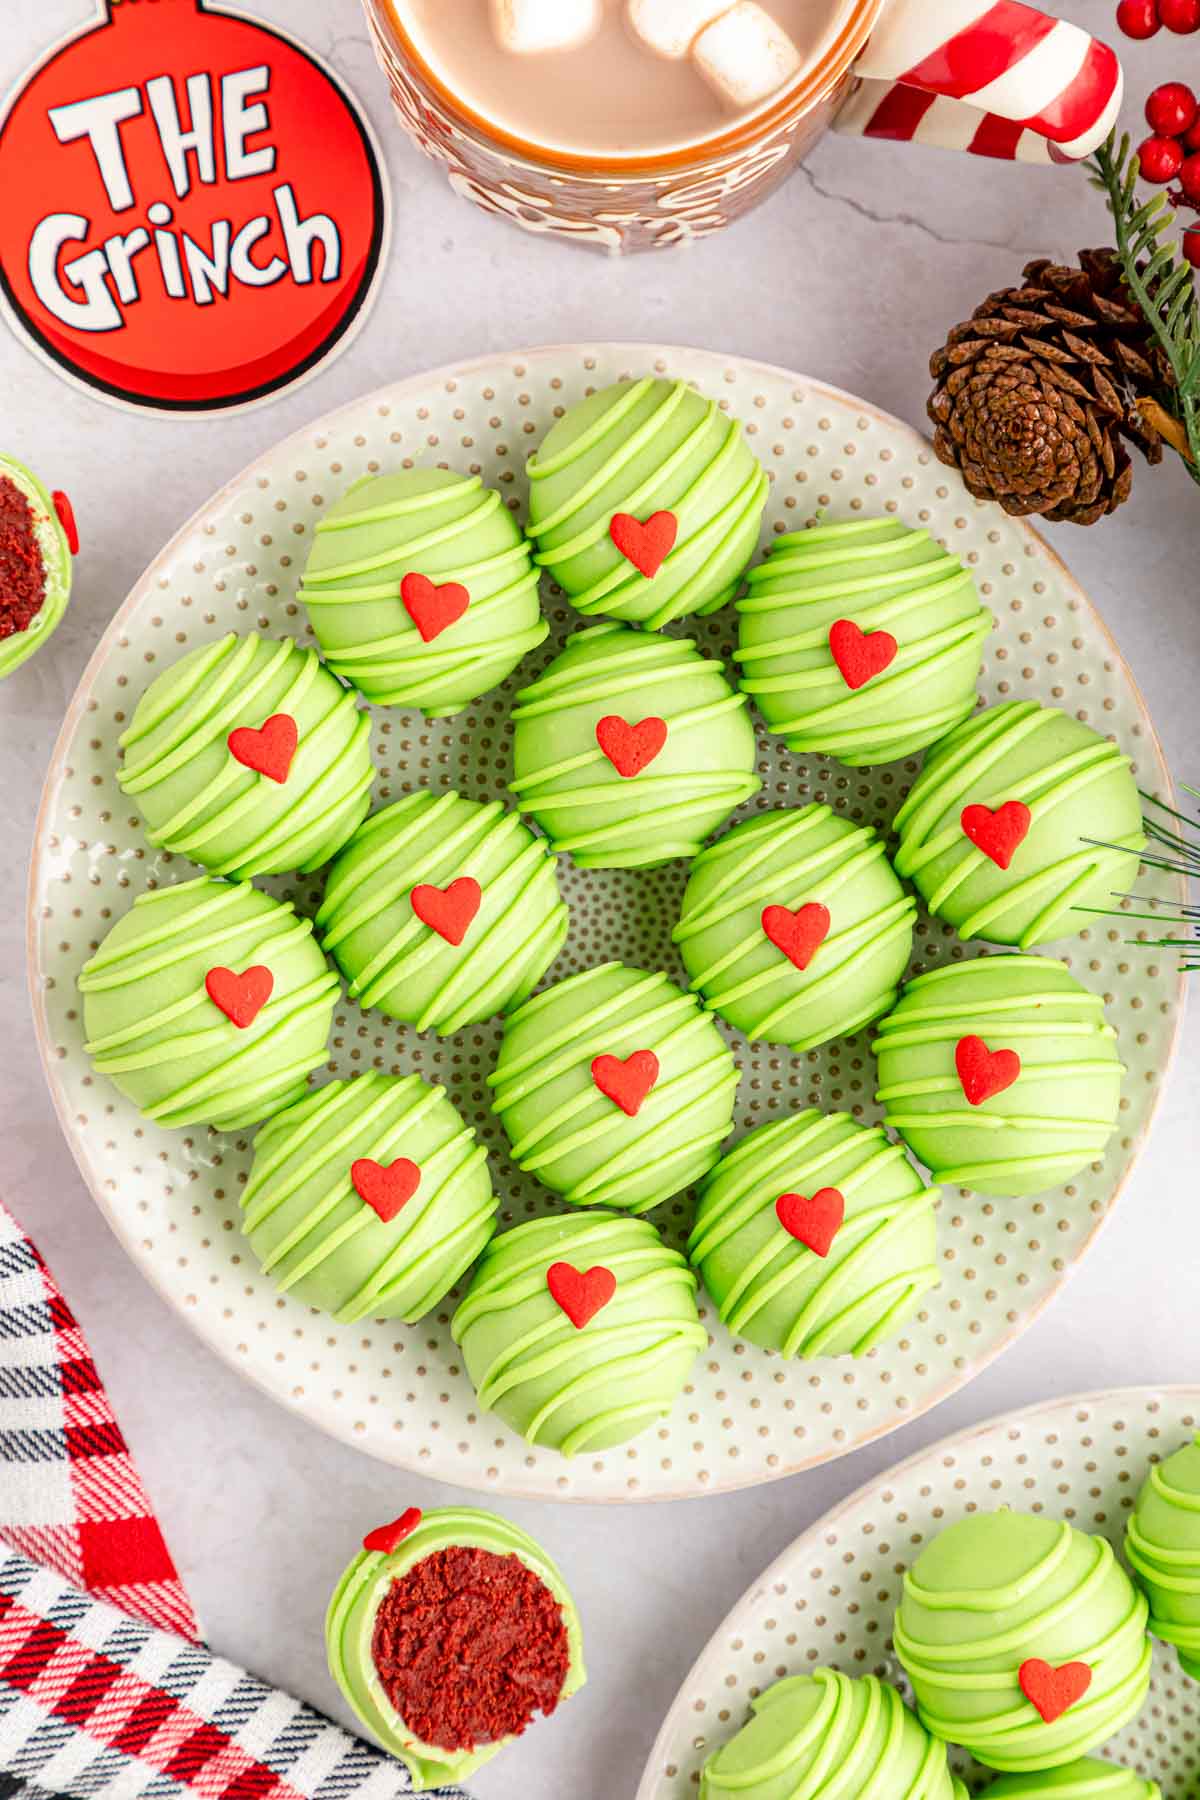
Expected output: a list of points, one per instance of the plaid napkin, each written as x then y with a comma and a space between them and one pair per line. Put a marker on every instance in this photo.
106, 1691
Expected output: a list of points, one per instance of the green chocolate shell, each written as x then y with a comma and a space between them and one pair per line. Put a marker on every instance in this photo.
322, 1243
572, 1389
451, 529
640, 448
1089, 1779
580, 1142
402, 967
1162, 1546
793, 859
998, 1590
774, 1291
153, 1030
199, 801
48, 539
350, 1626
1053, 1120
826, 1737
881, 576
1084, 836
605, 820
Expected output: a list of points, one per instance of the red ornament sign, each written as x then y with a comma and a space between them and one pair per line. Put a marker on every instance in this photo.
192, 210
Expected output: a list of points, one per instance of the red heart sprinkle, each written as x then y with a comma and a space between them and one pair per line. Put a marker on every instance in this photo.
385, 1190
581, 1296
647, 546
798, 934
269, 751
630, 748
449, 911
998, 834
433, 609
860, 655
628, 1082
66, 518
1053, 1691
240, 997
984, 1072
387, 1538
814, 1222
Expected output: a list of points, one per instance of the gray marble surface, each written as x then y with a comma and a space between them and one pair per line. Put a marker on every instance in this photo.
852, 273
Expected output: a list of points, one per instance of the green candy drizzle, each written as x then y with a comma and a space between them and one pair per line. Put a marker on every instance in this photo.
1086, 1780
1162, 1545
350, 1627
396, 964
963, 1641
644, 447
321, 1242
154, 1031
1076, 785
451, 529
199, 801
881, 576
604, 820
575, 1139
1032, 1135
774, 1291
790, 859
826, 1737
573, 1390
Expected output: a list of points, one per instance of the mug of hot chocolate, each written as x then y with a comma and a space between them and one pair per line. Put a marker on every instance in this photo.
631, 124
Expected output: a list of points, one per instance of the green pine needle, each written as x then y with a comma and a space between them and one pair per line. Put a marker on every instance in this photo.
1180, 856
1161, 284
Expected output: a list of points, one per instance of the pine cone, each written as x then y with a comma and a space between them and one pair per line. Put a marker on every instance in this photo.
1037, 392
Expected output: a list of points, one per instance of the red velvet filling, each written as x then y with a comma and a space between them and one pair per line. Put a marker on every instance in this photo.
22, 572
468, 1646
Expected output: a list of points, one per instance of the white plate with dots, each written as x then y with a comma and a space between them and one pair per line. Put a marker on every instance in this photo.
830, 1599
400, 1392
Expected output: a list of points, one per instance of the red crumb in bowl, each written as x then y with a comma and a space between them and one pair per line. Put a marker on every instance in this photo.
468, 1646
22, 571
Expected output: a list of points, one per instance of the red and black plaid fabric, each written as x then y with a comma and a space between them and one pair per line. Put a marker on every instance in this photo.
106, 1692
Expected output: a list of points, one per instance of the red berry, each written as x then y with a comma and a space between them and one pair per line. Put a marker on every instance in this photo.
1161, 159
1191, 139
1182, 16
1138, 18
1171, 109
1191, 246
1189, 179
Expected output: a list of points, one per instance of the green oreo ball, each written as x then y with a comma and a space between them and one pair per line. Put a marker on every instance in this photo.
443, 911
815, 1236
635, 452
827, 1736
861, 640
250, 758
992, 1609
1089, 1779
1000, 1074
369, 1198
1162, 1547
419, 1591
631, 748
208, 1003
579, 1331
421, 591
36, 563
615, 1088
1020, 822
794, 927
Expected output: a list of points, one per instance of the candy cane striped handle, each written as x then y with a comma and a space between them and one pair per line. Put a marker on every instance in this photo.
997, 64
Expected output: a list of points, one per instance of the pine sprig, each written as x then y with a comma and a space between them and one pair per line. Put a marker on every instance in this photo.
1175, 847
1161, 284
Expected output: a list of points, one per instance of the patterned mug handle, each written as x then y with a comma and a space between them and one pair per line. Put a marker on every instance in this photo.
992, 77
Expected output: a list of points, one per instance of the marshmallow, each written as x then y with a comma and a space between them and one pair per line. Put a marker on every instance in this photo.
671, 27
745, 55
529, 26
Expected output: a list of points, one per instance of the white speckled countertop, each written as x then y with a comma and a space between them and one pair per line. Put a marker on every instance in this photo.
853, 273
